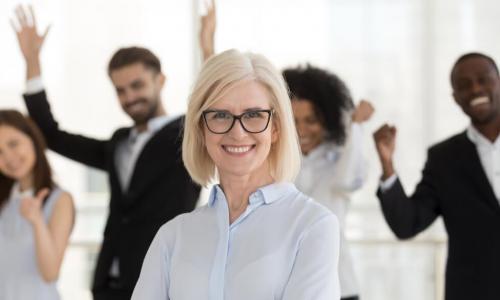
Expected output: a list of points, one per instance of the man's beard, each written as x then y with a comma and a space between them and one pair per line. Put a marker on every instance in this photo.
143, 118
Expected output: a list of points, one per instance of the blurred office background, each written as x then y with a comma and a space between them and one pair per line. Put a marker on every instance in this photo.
396, 53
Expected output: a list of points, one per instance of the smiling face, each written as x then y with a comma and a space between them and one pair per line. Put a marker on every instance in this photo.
309, 127
138, 89
17, 153
476, 88
237, 152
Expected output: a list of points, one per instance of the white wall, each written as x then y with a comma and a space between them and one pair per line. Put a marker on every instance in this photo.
396, 53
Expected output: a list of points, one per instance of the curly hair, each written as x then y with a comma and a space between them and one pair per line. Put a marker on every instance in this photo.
328, 94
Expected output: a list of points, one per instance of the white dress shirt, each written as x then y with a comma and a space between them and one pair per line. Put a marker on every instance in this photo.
128, 150
489, 155
284, 246
329, 174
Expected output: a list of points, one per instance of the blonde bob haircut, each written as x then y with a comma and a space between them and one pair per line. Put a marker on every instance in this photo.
220, 74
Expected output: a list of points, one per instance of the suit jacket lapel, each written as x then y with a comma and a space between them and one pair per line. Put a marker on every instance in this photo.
164, 143
119, 136
474, 167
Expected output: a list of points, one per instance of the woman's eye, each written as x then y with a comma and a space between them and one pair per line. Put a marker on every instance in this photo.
221, 115
312, 120
13, 144
253, 114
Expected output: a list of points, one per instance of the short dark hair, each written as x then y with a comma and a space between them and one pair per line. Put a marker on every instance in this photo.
327, 92
42, 175
472, 55
132, 55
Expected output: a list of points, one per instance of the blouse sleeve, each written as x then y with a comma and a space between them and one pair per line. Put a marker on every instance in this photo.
154, 280
315, 271
350, 168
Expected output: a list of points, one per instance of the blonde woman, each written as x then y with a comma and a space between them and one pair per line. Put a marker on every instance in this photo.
258, 237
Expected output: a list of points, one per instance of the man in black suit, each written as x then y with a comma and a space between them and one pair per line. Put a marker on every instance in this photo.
148, 181
460, 182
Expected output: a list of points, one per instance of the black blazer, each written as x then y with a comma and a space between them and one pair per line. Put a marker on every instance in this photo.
160, 188
454, 186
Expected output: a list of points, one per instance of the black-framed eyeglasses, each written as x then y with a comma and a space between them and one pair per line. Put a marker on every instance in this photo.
252, 121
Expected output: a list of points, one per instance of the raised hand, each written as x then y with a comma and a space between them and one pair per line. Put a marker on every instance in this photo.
31, 207
207, 31
363, 112
29, 40
385, 141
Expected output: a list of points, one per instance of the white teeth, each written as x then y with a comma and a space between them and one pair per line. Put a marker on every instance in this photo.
238, 149
479, 100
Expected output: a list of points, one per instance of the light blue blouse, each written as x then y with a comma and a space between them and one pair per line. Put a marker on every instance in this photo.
284, 246
19, 274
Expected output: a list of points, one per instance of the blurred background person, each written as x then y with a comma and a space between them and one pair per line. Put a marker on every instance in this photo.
460, 182
208, 25
36, 215
331, 140
148, 181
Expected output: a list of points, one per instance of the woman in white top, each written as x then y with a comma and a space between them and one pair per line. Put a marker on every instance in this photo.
258, 237
330, 137
36, 217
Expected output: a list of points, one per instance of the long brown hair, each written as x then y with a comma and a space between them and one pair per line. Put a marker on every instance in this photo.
42, 175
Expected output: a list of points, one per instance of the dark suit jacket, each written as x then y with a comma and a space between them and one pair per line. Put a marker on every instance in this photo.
454, 186
160, 188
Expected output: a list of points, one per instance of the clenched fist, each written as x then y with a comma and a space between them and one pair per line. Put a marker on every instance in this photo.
363, 112
385, 141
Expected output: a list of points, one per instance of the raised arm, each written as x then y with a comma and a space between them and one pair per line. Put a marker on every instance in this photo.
30, 42
207, 31
351, 166
406, 216
385, 141
363, 112
52, 237
88, 151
